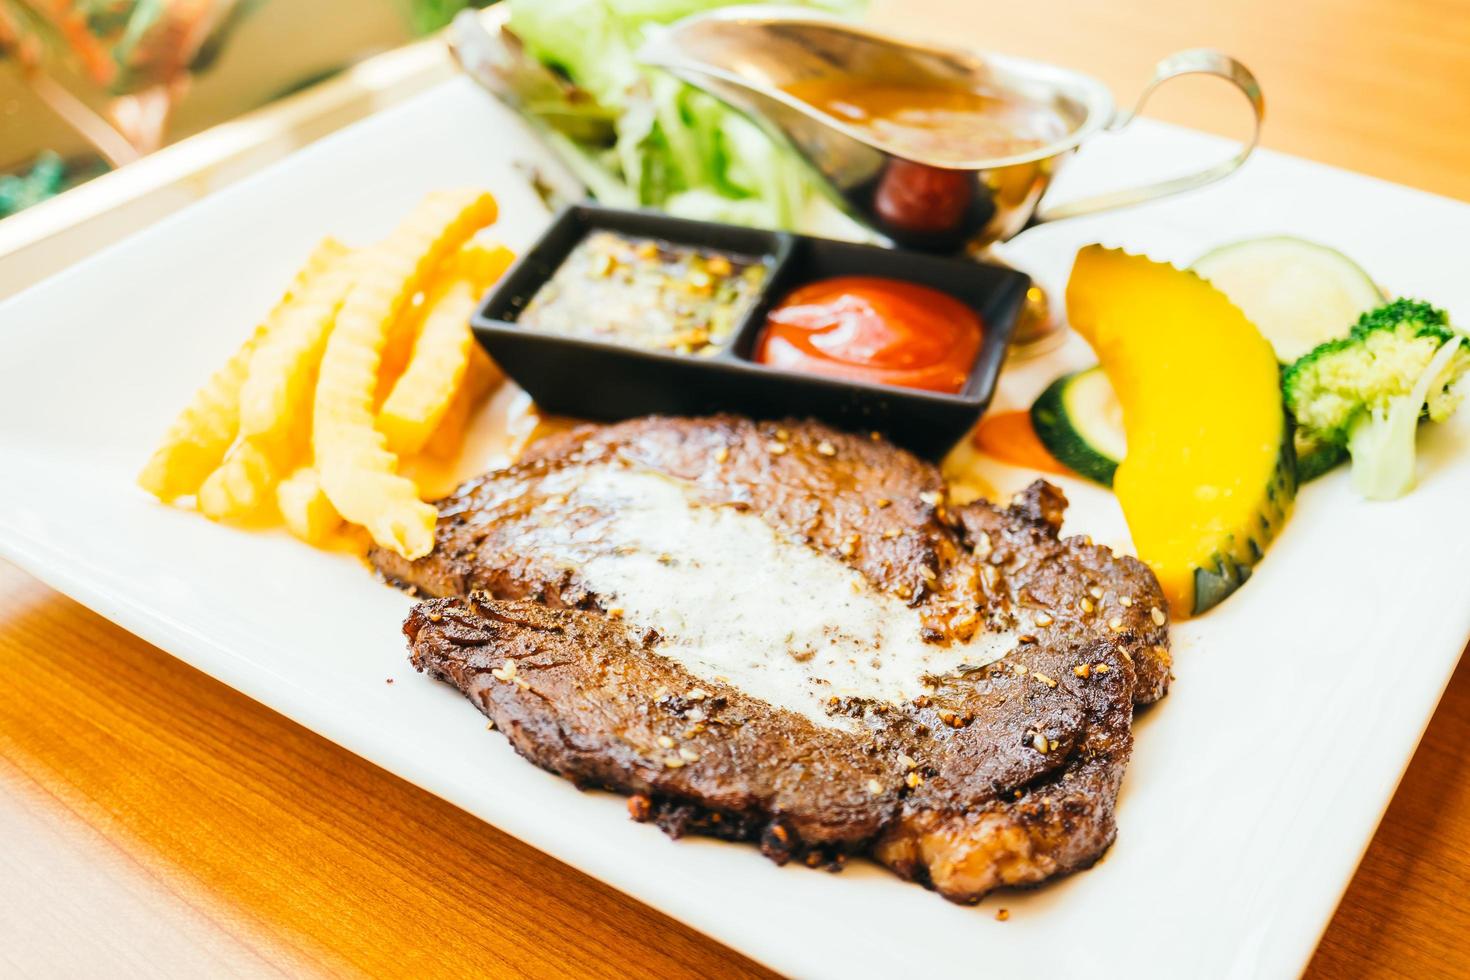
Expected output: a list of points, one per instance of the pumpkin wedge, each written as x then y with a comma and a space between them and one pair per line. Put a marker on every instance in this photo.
1209, 475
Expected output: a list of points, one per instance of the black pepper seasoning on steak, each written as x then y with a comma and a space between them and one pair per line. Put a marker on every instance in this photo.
1004, 773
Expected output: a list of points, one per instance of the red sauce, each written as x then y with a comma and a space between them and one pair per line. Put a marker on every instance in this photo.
866, 328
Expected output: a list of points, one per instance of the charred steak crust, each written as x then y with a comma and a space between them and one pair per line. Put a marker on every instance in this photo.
1006, 776
1085, 589
1002, 775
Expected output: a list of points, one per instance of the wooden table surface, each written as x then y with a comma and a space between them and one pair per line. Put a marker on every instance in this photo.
157, 823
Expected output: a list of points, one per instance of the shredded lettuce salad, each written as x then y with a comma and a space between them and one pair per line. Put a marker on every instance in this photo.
668, 145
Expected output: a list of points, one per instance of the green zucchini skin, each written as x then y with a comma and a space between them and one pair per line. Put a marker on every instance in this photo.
1064, 436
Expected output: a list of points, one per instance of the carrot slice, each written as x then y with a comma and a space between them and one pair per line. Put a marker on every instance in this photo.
1010, 438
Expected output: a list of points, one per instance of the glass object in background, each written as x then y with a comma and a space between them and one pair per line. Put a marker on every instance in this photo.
115, 70
140, 53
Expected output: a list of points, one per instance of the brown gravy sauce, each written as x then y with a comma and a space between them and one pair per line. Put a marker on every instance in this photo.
933, 121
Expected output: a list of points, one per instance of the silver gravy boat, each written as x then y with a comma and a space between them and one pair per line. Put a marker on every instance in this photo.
747, 55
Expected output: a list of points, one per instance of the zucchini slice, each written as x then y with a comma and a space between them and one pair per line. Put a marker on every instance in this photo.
1080, 422
1297, 293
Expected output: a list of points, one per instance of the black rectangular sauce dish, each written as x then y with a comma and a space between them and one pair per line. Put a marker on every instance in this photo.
607, 381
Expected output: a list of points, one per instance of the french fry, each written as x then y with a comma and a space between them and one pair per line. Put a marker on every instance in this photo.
278, 386
479, 265
423, 392
246, 480
358, 473
480, 377
275, 400
422, 395
482, 265
240, 485
398, 347
305, 508
202, 432
199, 437
444, 442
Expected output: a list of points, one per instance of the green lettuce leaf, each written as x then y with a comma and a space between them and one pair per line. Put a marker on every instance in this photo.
676, 148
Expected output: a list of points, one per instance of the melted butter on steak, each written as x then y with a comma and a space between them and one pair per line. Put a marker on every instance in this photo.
632, 605
734, 600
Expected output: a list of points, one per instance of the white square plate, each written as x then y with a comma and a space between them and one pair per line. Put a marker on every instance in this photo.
1255, 785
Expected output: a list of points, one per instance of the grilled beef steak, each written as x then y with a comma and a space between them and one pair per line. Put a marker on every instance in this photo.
782, 633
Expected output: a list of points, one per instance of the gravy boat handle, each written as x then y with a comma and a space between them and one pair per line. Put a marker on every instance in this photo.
1196, 61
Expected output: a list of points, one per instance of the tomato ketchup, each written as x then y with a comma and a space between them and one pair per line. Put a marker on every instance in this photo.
868, 328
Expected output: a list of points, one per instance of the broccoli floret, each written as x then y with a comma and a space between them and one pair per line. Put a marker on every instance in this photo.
1365, 393
1314, 458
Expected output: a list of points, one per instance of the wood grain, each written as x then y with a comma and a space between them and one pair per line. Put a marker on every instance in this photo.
286, 845
157, 823
1405, 913
1378, 86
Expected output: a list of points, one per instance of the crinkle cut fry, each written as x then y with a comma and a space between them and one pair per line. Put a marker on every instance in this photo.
203, 432
304, 506
358, 473
275, 417
423, 394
